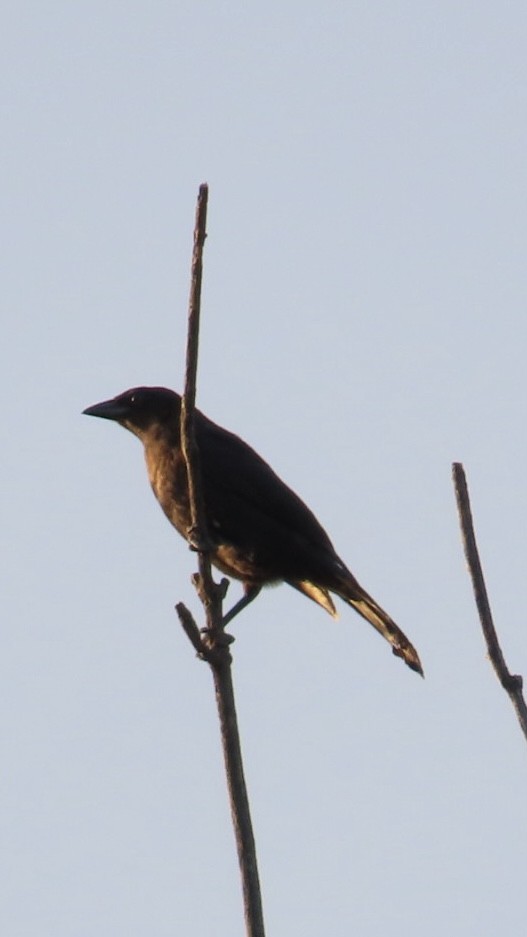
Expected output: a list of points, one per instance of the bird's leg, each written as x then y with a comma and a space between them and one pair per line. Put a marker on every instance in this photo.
250, 593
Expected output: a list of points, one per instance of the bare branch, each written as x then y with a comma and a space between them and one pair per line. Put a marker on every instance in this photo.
511, 683
198, 534
239, 801
213, 644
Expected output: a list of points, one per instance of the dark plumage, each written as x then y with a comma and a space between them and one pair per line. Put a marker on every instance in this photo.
262, 532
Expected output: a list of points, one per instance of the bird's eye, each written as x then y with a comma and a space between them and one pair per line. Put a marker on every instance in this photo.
133, 398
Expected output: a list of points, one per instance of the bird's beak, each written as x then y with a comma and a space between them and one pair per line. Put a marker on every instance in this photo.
108, 410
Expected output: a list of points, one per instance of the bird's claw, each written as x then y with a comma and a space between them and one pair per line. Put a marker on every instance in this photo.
197, 542
216, 638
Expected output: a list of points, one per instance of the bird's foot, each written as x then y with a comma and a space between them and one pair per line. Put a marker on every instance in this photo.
216, 637
197, 542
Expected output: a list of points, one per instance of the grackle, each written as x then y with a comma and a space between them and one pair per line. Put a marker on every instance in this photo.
261, 531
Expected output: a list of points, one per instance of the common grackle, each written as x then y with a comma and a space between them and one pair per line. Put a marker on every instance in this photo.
261, 531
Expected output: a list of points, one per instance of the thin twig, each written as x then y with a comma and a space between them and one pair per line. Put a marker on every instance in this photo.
198, 535
511, 683
191, 629
188, 441
213, 646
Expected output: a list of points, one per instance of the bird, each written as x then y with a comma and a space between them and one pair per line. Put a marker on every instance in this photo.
260, 531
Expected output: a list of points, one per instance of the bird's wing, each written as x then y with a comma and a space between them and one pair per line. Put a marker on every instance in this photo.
235, 475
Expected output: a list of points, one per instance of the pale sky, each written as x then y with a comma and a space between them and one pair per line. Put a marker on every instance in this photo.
363, 326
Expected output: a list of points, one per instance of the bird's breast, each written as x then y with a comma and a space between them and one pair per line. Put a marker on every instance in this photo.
168, 478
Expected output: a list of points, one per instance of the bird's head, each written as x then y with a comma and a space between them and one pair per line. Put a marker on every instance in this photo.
142, 410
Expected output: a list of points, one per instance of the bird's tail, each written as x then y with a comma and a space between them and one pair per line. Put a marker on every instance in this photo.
354, 595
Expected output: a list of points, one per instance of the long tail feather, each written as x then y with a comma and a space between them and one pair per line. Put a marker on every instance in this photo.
353, 594
381, 621
316, 593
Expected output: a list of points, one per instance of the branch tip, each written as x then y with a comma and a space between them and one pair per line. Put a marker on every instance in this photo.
512, 684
